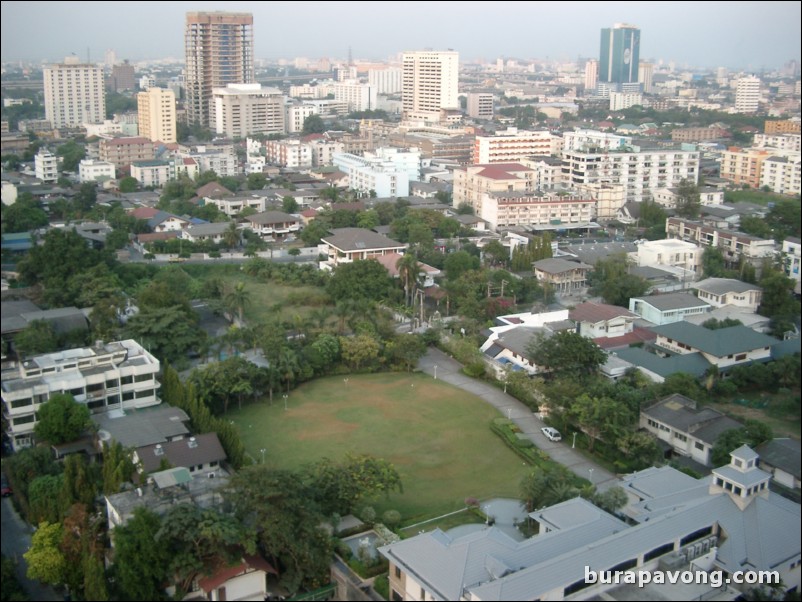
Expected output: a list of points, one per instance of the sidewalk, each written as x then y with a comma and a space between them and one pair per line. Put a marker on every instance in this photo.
447, 369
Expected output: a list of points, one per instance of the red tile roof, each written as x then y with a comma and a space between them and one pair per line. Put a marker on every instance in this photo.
638, 335
143, 212
153, 236
254, 563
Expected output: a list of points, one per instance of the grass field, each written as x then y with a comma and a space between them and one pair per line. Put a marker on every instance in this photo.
436, 435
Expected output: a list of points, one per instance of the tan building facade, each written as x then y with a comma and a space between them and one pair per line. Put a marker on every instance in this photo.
429, 83
241, 110
473, 181
742, 166
156, 115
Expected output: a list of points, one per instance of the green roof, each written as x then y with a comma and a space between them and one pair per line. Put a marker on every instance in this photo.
718, 343
689, 363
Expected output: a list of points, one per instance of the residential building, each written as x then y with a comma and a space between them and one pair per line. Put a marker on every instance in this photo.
645, 76
790, 142
147, 81
92, 170
509, 347
624, 100
783, 126
222, 160
346, 245
214, 232
46, 166
288, 153
156, 424
733, 244
668, 308
689, 430
669, 197
232, 205
747, 95
241, 110
726, 522
610, 198
74, 93
480, 106
599, 320
593, 140
619, 54
792, 254
156, 113
122, 152
121, 78
429, 83
386, 81
563, 276
782, 174
387, 171
723, 348
119, 375
201, 454
273, 225
591, 75
682, 257
357, 96
782, 458
472, 181
548, 172
296, 114
246, 580
728, 291
426, 275
219, 51
699, 134
512, 145
743, 166
154, 173
537, 210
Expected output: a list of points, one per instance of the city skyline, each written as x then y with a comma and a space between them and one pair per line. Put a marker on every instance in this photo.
706, 37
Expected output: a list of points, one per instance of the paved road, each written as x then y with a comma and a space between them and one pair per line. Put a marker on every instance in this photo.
16, 539
448, 370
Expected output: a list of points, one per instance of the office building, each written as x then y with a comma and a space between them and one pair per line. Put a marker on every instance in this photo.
219, 51
156, 115
480, 105
619, 54
241, 110
645, 75
386, 81
357, 96
591, 75
121, 78
74, 93
429, 83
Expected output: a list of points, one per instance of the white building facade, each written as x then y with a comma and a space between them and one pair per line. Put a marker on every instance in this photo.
75, 93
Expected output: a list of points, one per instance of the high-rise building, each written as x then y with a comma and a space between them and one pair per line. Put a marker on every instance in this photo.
480, 105
122, 77
591, 75
386, 81
156, 112
74, 93
429, 83
619, 54
219, 51
645, 76
241, 110
747, 94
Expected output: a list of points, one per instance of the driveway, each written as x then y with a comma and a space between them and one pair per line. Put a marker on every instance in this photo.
445, 368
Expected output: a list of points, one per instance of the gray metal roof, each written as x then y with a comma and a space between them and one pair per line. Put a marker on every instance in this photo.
360, 239
669, 301
555, 265
213, 229
144, 427
518, 339
11, 314
720, 342
273, 217
785, 454
722, 286
191, 451
682, 414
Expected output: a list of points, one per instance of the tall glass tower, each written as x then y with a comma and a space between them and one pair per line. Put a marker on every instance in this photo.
619, 55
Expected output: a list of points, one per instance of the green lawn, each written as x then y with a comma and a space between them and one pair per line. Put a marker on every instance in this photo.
268, 297
436, 435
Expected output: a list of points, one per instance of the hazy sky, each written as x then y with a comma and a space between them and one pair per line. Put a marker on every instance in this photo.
749, 35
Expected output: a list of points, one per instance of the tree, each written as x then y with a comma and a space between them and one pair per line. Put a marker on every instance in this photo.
496, 254
713, 263
599, 418
342, 487
458, 263
62, 419
231, 237
545, 487
359, 350
363, 279
45, 499
407, 349
141, 562
289, 204
129, 184
688, 199
38, 337
71, 153
778, 302
45, 560
167, 332
752, 433
313, 125
237, 299
23, 215
611, 500
566, 354
610, 278
408, 270
256, 181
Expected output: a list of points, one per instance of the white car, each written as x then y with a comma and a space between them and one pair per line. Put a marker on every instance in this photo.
551, 434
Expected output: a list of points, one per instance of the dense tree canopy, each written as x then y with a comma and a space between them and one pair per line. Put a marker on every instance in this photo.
62, 419
364, 279
566, 354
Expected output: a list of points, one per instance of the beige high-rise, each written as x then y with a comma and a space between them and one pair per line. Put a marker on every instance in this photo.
156, 115
429, 83
219, 51
74, 94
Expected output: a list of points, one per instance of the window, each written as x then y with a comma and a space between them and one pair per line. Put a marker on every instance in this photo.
700, 446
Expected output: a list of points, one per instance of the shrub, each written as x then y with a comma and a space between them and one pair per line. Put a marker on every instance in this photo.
368, 515
391, 518
475, 369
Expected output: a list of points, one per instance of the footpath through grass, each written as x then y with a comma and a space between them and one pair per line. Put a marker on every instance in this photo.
436, 435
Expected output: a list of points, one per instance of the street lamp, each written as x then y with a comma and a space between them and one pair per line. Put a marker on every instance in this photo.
509, 413
285, 400
590, 470
505, 386
435, 372
263, 454
573, 443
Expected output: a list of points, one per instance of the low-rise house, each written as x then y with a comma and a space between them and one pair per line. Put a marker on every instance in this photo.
232, 205
669, 197
246, 580
562, 275
345, 245
689, 430
668, 308
751, 320
723, 348
596, 320
677, 256
273, 225
159, 424
425, 277
728, 291
201, 453
792, 254
657, 367
214, 232
733, 244
782, 458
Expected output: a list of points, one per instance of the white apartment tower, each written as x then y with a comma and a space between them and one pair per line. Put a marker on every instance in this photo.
386, 81
591, 75
241, 110
747, 94
156, 115
429, 83
75, 93
645, 76
219, 51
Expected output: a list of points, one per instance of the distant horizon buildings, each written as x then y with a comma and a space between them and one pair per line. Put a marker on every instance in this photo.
74, 93
429, 83
619, 54
219, 51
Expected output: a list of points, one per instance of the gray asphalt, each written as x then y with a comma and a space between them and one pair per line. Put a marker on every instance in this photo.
16, 539
445, 368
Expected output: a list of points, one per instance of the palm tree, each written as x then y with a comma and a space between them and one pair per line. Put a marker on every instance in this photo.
288, 365
408, 270
231, 236
237, 299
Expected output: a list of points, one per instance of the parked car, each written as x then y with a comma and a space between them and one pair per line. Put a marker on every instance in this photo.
5, 487
551, 434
